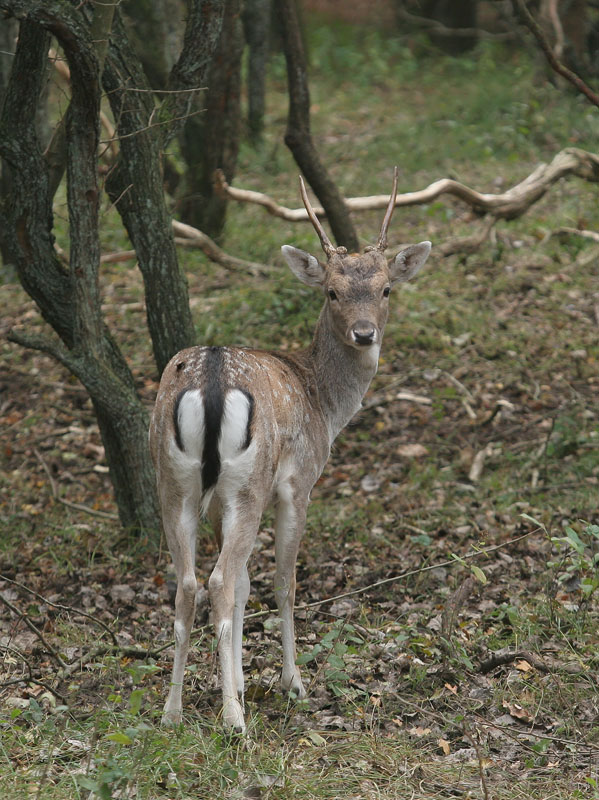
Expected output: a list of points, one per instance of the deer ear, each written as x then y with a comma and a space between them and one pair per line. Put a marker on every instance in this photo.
408, 262
307, 268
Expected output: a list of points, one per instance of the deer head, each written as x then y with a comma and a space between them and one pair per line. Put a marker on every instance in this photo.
356, 286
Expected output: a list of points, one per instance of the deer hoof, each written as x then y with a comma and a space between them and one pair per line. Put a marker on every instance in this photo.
233, 720
171, 717
294, 686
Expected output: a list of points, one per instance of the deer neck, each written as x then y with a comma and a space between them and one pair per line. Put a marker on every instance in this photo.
342, 373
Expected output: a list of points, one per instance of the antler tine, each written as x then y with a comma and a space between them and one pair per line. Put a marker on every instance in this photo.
382, 242
328, 248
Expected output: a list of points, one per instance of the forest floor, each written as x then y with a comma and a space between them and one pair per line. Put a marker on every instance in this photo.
448, 621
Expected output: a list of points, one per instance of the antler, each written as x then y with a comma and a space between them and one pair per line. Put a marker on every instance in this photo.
382, 242
328, 248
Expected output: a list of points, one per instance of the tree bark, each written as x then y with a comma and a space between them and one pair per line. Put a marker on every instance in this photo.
155, 30
210, 139
298, 137
134, 185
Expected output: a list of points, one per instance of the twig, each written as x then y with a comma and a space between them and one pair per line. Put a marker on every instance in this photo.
306, 606
443, 30
34, 629
507, 656
29, 678
592, 235
76, 611
475, 742
409, 574
75, 506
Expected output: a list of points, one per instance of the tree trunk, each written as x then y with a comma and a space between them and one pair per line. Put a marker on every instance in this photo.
298, 137
134, 185
256, 24
210, 139
69, 300
451, 15
155, 30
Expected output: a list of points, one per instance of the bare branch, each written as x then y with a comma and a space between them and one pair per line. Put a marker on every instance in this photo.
193, 237
521, 9
507, 205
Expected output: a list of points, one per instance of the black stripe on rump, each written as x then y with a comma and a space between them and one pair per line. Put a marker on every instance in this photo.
176, 419
248, 432
214, 402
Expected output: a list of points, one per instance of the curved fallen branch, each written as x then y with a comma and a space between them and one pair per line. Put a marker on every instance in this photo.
189, 236
193, 237
507, 205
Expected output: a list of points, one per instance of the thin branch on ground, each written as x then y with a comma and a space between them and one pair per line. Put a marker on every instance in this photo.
592, 235
188, 236
29, 677
34, 629
443, 30
75, 506
59, 606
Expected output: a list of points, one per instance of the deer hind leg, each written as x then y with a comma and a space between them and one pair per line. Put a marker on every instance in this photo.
180, 523
289, 527
242, 592
229, 589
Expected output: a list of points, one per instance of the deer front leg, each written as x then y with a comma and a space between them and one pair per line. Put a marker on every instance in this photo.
180, 525
289, 527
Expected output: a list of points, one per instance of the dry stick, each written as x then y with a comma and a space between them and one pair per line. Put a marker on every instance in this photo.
475, 742
592, 235
193, 237
507, 656
62, 607
516, 734
533, 26
443, 30
34, 629
29, 678
76, 506
410, 573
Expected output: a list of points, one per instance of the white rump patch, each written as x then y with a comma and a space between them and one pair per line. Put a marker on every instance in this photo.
233, 432
190, 417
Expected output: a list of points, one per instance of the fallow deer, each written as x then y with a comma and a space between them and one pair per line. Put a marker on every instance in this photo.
234, 429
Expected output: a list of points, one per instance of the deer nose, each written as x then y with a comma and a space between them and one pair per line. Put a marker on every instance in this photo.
363, 332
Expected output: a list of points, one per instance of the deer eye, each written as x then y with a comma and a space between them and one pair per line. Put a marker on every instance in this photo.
332, 295
386, 291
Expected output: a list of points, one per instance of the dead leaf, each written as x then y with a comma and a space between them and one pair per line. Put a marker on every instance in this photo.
412, 451
523, 666
444, 745
518, 712
417, 731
